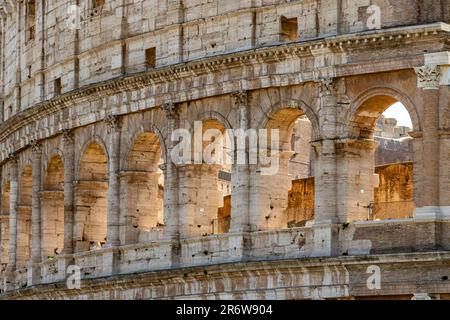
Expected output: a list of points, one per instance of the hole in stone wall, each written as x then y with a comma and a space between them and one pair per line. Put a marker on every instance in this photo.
31, 20
97, 3
150, 57
288, 29
57, 86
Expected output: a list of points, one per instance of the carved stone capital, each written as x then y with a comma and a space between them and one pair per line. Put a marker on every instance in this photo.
113, 122
171, 110
13, 157
242, 97
36, 147
326, 86
428, 77
68, 136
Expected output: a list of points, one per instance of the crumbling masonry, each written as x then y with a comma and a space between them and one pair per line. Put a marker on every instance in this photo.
88, 104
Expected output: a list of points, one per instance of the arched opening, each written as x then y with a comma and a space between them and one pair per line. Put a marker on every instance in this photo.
289, 201
4, 220
381, 161
205, 183
24, 217
52, 202
142, 193
91, 199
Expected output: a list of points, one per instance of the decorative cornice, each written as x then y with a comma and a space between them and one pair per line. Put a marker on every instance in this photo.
171, 110
428, 77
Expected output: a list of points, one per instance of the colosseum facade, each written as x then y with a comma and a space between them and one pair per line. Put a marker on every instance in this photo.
92, 92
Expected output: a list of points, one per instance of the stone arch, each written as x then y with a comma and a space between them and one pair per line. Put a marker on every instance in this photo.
91, 197
370, 104
53, 153
52, 203
293, 104
358, 153
216, 116
294, 120
92, 140
142, 188
201, 183
54, 173
145, 139
93, 153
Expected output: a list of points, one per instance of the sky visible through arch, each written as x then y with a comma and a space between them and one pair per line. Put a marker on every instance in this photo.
399, 112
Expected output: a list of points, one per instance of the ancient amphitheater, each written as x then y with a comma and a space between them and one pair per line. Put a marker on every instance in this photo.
92, 92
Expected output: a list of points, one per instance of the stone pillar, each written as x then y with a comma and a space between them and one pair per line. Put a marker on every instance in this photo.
69, 177
357, 179
171, 213
198, 198
36, 240
240, 174
113, 234
326, 210
140, 205
14, 195
427, 199
36, 204
269, 194
325, 229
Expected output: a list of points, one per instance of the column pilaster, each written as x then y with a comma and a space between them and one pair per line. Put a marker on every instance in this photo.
113, 235
427, 199
171, 213
69, 177
14, 195
36, 219
326, 210
240, 174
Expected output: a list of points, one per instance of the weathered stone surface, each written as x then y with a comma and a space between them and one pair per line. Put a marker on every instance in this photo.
88, 106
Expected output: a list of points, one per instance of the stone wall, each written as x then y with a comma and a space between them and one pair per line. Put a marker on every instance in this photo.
179, 32
394, 195
393, 198
105, 99
301, 202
